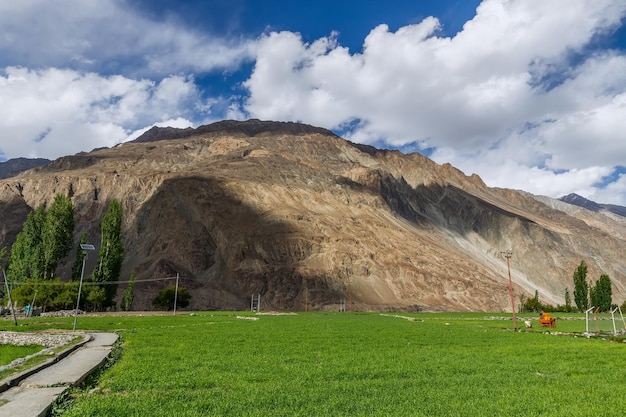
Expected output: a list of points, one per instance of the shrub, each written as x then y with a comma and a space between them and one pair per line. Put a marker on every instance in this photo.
165, 299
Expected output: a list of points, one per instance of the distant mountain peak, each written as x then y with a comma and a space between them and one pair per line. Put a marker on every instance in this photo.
581, 201
12, 167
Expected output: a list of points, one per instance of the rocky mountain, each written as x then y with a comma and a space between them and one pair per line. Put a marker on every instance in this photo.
580, 201
300, 215
13, 167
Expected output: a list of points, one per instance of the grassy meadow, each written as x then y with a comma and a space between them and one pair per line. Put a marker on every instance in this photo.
8, 353
349, 364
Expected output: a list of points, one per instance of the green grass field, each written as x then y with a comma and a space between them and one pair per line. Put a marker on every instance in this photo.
350, 364
9, 353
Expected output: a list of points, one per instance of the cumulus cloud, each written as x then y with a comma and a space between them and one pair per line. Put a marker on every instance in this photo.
608, 193
76, 75
513, 88
517, 96
109, 36
54, 112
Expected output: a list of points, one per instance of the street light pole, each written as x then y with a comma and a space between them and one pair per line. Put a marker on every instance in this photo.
85, 247
507, 254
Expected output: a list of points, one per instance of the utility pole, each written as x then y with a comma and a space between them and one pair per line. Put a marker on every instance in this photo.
32, 305
176, 293
507, 254
6, 283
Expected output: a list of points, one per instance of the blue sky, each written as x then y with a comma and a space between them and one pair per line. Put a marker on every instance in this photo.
528, 94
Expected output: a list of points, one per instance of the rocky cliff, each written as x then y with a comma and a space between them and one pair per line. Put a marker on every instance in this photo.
299, 215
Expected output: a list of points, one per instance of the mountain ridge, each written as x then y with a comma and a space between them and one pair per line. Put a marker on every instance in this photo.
300, 215
251, 127
14, 166
581, 201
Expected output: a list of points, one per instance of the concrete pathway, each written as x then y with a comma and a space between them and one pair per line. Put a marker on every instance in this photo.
35, 393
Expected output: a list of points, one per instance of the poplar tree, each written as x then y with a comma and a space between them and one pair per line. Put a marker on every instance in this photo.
57, 233
46, 238
3, 252
593, 299
26, 259
581, 287
129, 293
111, 254
568, 301
603, 293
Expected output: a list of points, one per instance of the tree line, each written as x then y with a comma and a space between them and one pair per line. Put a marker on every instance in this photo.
47, 238
586, 295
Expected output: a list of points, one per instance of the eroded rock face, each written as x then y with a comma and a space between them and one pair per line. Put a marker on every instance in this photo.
297, 214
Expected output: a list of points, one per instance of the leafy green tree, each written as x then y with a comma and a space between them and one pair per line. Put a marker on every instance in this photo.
24, 293
165, 298
96, 298
46, 238
533, 304
57, 232
3, 252
593, 299
111, 254
568, 301
47, 294
26, 259
129, 293
581, 287
602, 293
66, 296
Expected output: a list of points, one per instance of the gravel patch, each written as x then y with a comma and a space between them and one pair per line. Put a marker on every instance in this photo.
42, 339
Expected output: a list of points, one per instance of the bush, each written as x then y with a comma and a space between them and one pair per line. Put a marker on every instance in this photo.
165, 299
533, 305
55, 295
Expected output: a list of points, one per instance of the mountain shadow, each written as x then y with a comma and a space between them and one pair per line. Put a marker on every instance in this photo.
197, 228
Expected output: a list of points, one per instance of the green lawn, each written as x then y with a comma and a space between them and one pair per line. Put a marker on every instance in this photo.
351, 364
8, 353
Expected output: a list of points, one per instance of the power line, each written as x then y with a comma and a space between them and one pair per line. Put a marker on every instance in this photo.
90, 283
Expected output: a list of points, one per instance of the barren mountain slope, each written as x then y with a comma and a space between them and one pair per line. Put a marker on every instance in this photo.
298, 214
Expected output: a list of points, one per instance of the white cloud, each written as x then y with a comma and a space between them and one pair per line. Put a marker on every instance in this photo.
507, 81
511, 166
108, 36
54, 112
614, 193
60, 85
514, 96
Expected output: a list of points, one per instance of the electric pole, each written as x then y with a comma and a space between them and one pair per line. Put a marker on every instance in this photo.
507, 254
